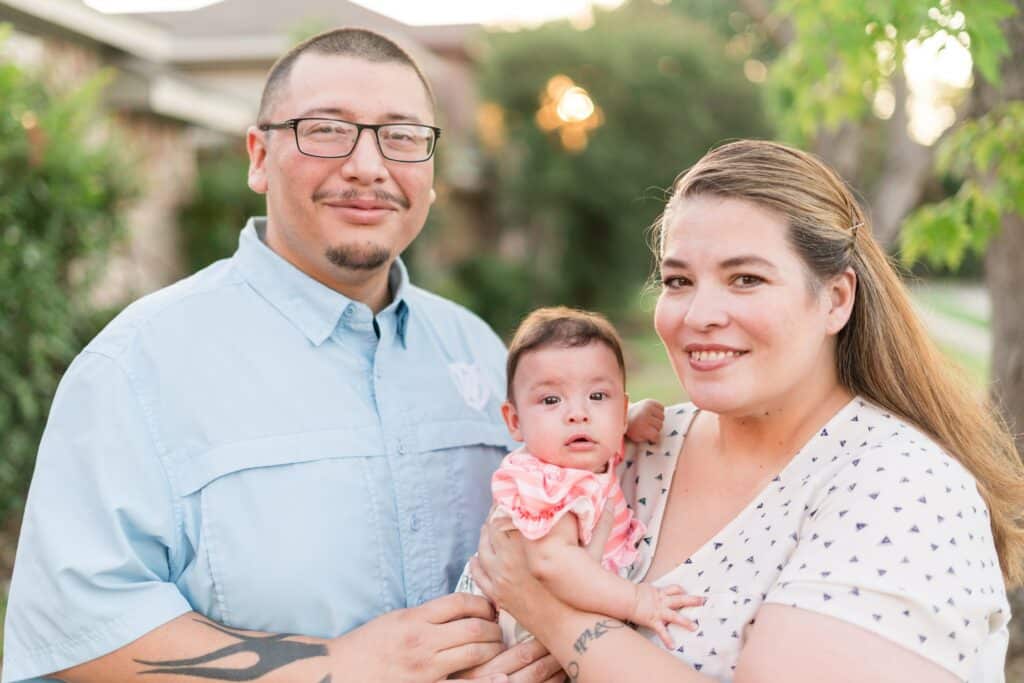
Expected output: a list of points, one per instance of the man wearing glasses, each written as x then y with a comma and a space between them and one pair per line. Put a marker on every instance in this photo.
296, 440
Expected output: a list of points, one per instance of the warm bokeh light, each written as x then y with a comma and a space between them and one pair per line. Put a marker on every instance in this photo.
490, 125
575, 105
568, 110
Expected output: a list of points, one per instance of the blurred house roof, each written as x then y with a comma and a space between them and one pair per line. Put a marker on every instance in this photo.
206, 67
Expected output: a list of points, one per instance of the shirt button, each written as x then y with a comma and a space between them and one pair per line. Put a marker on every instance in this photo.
414, 523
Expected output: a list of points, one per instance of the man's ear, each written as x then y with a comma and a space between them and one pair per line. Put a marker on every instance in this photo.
842, 292
256, 146
511, 417
433, 196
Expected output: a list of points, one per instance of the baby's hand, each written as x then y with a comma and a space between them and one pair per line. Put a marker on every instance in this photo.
645, 420
656, 607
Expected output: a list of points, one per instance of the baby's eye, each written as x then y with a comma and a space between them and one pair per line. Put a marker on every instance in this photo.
550, 400
598, 395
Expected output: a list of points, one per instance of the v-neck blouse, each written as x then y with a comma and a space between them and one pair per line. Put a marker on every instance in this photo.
870, 523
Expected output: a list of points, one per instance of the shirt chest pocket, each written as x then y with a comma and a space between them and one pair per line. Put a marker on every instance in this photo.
289, 529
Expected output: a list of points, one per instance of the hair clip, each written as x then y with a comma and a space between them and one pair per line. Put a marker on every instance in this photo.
855, 228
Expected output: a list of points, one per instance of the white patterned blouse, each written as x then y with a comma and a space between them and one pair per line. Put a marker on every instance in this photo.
871, 523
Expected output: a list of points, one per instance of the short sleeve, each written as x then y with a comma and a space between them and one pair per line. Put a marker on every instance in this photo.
94, 564
899, 543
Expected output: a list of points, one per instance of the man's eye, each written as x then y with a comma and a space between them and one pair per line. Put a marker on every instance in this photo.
549, 400
598, 396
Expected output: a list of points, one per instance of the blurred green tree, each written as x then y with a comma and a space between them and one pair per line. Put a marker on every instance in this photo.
63, 181
585, 129
838, 56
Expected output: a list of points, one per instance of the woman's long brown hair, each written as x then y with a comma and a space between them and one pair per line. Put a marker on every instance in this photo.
884, 353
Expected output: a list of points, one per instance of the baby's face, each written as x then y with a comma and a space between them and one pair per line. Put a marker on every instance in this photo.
570, 405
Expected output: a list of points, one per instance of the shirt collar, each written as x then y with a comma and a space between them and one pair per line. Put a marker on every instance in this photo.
314, 308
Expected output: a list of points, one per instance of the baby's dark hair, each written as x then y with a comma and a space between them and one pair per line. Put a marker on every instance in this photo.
560, 326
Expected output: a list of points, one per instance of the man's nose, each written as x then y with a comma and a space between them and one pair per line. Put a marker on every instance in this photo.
365, 164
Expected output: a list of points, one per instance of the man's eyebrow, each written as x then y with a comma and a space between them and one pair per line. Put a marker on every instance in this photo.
732, 262
348, 115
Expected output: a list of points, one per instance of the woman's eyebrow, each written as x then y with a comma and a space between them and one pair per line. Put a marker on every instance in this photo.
747, 260
731, 262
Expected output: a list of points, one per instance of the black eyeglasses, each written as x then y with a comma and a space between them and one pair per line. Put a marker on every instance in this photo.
334, 138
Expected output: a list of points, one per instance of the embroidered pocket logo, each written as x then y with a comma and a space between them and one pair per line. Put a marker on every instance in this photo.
469, 380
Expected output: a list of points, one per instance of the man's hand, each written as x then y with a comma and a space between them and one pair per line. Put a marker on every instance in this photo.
645, 420
423, 644
527, 662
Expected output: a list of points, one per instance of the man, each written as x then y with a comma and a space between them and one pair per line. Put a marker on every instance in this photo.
294, 440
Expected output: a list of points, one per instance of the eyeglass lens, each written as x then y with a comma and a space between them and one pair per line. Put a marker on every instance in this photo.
398, 141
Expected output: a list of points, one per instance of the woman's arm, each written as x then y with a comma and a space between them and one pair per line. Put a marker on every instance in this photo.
569, 571
785, 644
589, 646
800, 646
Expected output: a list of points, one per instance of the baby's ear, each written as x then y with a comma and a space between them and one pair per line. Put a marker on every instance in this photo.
625, 416
511, 417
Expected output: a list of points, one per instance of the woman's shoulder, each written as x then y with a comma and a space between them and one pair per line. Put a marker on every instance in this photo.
886, 449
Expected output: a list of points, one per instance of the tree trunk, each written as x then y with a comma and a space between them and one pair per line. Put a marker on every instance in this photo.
1005, 278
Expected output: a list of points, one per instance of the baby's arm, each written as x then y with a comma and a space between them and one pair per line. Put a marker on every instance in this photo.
571, 574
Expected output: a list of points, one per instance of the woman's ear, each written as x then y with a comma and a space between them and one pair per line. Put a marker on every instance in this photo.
842, 292
511, 417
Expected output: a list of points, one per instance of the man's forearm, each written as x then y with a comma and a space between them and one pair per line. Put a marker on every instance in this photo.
191, 648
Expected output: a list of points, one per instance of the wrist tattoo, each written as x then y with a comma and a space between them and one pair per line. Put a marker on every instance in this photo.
591, 634
272, 652
573, 671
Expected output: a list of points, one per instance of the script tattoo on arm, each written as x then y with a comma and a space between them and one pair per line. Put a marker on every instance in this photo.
272, 652
591, 634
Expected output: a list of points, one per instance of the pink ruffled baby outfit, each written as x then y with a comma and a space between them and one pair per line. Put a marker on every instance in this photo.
536, 495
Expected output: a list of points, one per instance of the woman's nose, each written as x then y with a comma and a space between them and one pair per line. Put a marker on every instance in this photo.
706, 309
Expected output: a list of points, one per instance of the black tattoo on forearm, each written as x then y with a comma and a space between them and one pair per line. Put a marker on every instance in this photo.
591, 634
573, 671
273, 651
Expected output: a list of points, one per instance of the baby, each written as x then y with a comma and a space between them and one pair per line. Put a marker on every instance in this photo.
567, 402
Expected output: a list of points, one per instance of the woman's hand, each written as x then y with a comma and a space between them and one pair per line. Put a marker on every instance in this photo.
501, 571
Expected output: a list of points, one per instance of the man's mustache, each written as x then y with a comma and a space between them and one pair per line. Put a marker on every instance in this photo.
352, 195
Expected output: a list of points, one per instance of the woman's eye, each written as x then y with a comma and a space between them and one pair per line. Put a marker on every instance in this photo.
674, 282
748, 280
598, 396
549, 400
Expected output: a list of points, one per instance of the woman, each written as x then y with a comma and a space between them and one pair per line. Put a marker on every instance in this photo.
836, 494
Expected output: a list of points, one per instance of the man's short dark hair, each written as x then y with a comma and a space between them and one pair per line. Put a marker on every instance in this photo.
560, 326
342, 42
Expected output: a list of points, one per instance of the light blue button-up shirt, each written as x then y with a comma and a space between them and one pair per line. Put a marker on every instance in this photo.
254, 446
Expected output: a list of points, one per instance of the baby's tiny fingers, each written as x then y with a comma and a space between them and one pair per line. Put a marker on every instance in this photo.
680, 620
673, 589
662, 632
680, 601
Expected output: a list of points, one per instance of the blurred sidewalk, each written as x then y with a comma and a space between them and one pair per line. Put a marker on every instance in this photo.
956, 314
